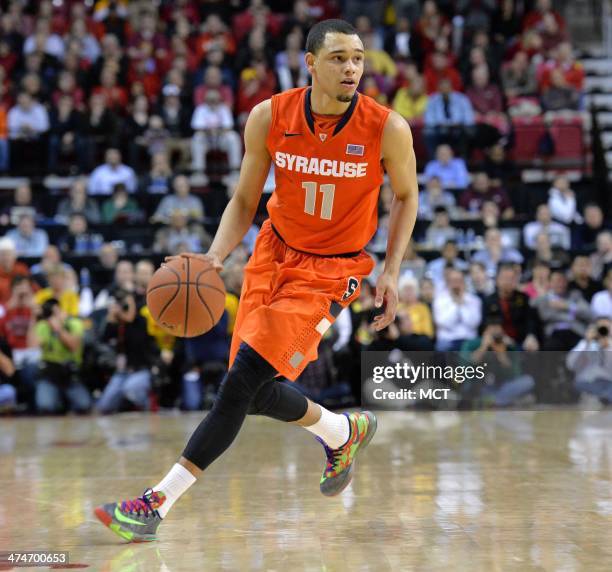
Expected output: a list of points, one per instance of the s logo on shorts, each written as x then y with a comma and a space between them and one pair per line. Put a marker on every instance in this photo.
351, 288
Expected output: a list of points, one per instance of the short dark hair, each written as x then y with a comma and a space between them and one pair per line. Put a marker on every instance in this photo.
316, 35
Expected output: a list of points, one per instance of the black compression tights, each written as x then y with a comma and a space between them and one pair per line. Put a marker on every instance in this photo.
249, 387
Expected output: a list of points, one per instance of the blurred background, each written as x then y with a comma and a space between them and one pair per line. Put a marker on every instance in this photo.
121, 129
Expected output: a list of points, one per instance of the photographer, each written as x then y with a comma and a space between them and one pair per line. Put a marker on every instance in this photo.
505, 383
126, 332
61, 341
591, 361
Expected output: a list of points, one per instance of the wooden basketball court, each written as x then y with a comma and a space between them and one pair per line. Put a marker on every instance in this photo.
493, 491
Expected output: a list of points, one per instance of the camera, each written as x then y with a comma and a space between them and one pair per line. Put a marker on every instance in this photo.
603, 331
498, 337
46, 310
121, 296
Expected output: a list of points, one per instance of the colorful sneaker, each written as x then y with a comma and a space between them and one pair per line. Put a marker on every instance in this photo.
339, 469
133, 520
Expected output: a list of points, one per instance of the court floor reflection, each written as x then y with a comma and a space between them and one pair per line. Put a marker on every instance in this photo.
435, 491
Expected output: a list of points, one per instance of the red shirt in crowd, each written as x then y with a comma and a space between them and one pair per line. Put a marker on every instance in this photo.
14, 327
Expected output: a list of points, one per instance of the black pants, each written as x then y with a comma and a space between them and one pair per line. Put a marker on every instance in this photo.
249, 387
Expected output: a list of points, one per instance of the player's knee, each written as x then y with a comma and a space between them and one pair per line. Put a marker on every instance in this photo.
244, 379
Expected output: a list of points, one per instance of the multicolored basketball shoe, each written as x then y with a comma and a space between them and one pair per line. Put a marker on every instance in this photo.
340, 462
133, 520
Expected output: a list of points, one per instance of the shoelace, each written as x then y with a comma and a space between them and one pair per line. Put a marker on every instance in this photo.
141, 504
333, 455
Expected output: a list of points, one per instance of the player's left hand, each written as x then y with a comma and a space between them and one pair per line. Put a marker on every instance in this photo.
386, 292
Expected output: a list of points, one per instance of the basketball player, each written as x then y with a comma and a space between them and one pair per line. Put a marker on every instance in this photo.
329, 145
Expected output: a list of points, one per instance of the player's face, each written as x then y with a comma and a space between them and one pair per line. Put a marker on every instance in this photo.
338, 65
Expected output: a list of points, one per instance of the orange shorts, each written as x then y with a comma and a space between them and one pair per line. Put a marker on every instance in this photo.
289, 299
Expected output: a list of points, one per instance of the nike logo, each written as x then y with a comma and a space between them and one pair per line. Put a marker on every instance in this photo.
122, 518
291, 134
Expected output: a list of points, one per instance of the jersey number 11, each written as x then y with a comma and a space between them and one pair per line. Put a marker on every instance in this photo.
311, 199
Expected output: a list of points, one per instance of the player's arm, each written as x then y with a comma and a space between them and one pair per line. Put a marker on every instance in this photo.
400, 163
240, 211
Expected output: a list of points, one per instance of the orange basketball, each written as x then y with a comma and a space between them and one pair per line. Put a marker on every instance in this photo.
186, 297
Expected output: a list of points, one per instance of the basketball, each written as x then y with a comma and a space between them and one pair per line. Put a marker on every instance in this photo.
186, 297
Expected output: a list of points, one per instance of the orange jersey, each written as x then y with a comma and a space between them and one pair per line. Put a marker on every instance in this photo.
327, 184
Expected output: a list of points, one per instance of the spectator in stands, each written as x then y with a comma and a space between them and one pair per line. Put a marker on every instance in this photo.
59, 290
601, 259
449, 259
17, 328
121, 207
558, 234
257, 84
441, 68
601, 304
591, 361
180, 236
581, 277
449, 170
535, 18
562, 201
49, 261
593, 223
434, 196
411, 101
440, 231
213, 124
572, 72
449, 118
505, 381
28, 240
122, 278
400, 41
415, 322
126, 332
213, 80
4, 135
27, 120
518, 319
519, 79
201, 353
478, 281
158, 180
22, 203
115, 95
494, 254
290, 66
180, 201
540, 280
554, 256
61, 340
486, 99
65, 135
564, 315
113, 171
9, 268
177, 119
8, 392
143, 272
480, 191
456, 313
560, 95
501, 170
100, 130
79, 240
78, 203
133, 129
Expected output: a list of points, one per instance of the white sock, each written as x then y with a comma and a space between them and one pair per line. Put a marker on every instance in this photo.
173, 485
334, 429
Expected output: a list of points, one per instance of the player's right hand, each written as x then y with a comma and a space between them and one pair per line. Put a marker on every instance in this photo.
210, 257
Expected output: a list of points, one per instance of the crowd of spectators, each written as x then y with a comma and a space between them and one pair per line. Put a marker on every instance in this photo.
143, 106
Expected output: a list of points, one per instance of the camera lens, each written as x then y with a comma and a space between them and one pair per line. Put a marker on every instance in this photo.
603, 331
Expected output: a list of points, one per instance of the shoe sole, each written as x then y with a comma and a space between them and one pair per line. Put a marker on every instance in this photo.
107, 520
340, 485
